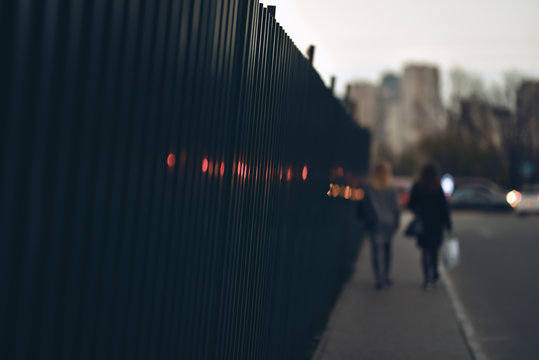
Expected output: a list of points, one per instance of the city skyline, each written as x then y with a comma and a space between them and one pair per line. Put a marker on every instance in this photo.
362, 41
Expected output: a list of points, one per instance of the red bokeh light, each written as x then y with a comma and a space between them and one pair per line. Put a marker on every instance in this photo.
171, 160
222, 169
210, 167
347, 192
304, 173
289, 174
205, 165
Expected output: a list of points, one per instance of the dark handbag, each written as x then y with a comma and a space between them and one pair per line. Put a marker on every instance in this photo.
414, 228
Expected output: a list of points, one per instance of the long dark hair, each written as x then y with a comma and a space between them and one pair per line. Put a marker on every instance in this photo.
429, 179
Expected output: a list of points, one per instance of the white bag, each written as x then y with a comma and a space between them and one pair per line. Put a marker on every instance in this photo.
451, 253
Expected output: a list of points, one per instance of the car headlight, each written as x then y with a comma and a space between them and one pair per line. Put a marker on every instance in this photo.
513, 197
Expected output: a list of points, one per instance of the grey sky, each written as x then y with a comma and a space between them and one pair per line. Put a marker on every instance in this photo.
361, 39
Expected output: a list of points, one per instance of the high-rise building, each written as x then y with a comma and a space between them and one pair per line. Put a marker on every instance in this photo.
362, 104
422, 112
400, 111
389, 114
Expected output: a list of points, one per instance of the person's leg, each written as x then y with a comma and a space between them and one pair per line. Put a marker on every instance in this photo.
435, 256
425, 265
376, 253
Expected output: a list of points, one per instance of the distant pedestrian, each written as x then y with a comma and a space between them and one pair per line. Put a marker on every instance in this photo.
428, 202
382, 213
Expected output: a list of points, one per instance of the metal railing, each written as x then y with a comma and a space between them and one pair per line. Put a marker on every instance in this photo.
164, 170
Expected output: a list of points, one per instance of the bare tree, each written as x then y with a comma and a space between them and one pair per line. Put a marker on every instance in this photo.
466, 85
512, 81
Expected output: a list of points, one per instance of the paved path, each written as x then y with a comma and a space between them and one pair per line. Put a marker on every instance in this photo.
402, 322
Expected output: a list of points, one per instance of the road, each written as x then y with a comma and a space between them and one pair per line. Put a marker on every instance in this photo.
497, 282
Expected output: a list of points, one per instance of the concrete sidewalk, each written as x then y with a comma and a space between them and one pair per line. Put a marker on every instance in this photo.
401, 322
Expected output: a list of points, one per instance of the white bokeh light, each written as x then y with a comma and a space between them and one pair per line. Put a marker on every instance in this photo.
448, 184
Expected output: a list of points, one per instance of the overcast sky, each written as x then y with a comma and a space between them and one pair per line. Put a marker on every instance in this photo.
359, 39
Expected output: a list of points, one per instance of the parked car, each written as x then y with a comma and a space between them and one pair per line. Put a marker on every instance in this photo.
528, 200
479, 197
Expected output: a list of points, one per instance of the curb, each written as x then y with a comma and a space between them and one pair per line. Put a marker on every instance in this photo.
465, 326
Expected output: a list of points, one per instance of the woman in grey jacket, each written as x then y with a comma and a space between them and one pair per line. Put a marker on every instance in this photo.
382, 216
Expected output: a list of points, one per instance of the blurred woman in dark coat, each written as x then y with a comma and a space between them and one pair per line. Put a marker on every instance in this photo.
428, 202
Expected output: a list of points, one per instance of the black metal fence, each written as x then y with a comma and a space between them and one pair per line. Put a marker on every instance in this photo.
164, 170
